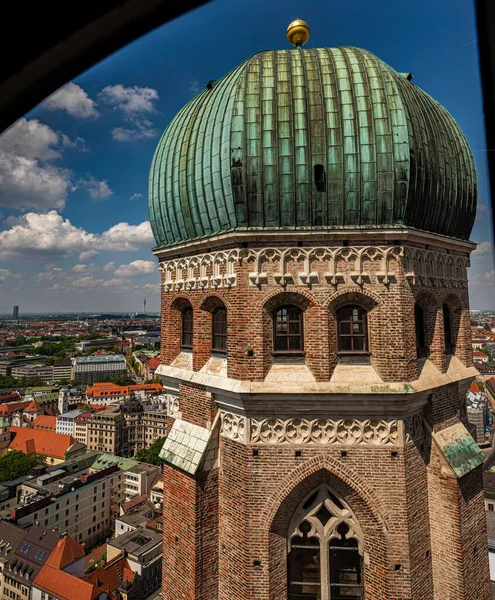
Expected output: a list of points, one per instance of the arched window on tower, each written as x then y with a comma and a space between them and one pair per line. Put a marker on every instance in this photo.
219, 330
352, 331
447, 328
187, 329
288, 330
419, 320
325, 562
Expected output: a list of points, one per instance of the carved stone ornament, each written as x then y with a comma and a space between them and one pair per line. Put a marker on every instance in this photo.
217, 269
233, 427
324, 431
173, 408
413, 428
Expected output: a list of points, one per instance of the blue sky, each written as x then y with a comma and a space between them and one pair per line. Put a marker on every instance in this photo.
74, 231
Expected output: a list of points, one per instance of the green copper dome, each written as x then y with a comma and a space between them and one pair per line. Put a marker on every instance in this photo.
318, 139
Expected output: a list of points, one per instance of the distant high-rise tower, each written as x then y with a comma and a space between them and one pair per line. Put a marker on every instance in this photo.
144, 306
15, 312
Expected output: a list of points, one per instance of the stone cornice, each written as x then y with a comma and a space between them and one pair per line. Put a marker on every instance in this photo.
313, 236
321, 398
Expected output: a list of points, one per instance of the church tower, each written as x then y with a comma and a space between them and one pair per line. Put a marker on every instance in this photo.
312, 211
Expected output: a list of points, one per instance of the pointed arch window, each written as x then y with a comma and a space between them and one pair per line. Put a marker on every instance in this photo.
187, 329
325, 553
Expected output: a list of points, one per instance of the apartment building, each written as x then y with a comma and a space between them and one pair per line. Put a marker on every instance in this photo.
79, 498
62, 369
105, 432
143, 549
66, 422
106, 393
91, 369
44, 372
81, 427
125, 429
25, 562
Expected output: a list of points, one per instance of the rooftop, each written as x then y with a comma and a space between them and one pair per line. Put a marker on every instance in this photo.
105, 358
40, 441
137, 542
66, 552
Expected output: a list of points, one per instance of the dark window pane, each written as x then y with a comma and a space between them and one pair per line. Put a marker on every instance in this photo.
419, 317
219, 330
345, 327
287, 329
294, 342
346, 344
358, 344
304, 568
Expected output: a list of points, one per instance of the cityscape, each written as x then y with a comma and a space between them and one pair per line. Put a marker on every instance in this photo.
247, 328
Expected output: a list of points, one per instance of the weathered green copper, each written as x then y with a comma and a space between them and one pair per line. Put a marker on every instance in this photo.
242, 154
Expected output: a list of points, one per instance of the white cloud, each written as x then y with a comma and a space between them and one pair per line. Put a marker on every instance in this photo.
127, 237
130, 100
136, 267
87, 254
42, 235
481, 211
136, 196
30, 139
483, 248
98, 190
74, 100
152, 288
134, 103
83, 268
25, 183
28, 178
143, 130
4, 273
109, 267
194, 86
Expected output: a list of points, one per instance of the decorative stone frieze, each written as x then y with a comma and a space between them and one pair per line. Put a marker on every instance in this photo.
233, 427
413, 428
217, 269
173, 408
303, 431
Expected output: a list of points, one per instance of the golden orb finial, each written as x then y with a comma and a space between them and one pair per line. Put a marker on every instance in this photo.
298, 32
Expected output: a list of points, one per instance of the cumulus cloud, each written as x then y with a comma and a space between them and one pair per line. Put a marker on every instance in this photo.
5, 273
136, 104
41, 235
136, 196
483, 248
98, 190
130, 100
25, 183
28, 176
109, 267
136, 267
83, 268
194, 86
73, 99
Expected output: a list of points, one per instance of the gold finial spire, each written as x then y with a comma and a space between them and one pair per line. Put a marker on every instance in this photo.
298, 32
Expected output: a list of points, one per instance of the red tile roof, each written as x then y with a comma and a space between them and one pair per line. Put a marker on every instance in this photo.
10, 397
7, 409
66, 552
64, 586
134, 502
32, 407
153, 363
110, 575
475, 388
40, 441
45, 422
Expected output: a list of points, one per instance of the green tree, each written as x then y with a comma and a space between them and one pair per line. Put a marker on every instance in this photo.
151, 456
16, 464
488, 353
122, 380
